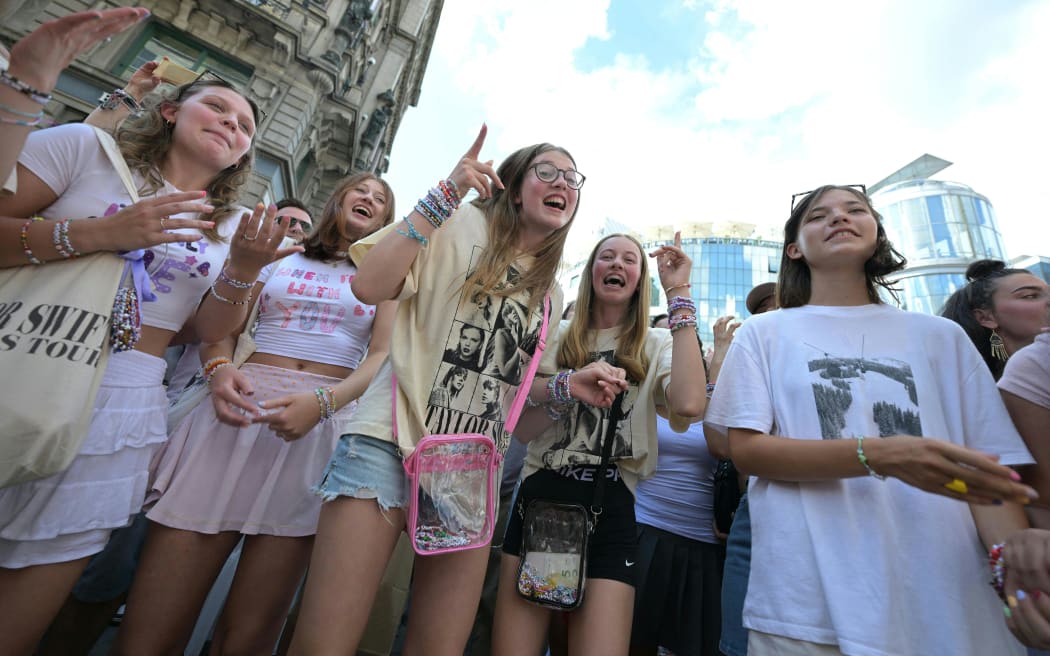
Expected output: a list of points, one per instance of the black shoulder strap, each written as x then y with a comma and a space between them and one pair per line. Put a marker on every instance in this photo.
615, 414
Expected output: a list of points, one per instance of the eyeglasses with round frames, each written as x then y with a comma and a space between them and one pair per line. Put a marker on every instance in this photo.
548, 172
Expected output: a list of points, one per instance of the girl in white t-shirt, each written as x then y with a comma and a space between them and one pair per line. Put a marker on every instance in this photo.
198, 137
660, 369
506, 245
242, 464
863, 428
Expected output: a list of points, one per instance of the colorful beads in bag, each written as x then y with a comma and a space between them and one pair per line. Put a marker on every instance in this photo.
125, 325
551, 590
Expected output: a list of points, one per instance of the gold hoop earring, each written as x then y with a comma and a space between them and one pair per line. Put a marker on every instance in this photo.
998, 347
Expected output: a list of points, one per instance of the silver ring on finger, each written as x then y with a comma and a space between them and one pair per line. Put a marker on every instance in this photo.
162, 220
245, 237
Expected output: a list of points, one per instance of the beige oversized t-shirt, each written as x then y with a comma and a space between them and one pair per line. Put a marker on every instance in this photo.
459, 355
576, 438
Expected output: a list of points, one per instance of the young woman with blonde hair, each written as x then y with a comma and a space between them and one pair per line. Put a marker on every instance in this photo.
658, 372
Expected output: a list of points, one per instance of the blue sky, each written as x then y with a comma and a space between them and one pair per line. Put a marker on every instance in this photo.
717, 111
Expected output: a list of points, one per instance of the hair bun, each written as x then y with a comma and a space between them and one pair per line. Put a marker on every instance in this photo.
984, 269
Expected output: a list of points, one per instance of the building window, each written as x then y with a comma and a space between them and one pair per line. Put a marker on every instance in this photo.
273, 170
158, 41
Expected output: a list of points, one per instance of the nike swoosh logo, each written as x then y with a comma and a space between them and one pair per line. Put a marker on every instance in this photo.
628, 563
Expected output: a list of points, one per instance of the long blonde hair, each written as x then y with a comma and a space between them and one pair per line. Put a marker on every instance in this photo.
504, 228
323, 241
578, 343
145, 140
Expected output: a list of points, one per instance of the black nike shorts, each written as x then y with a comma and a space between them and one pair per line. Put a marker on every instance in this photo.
611, 547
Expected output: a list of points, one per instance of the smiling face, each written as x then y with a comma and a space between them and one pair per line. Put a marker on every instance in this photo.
214, 125
364, 209
838, 230
616, 270
546, 206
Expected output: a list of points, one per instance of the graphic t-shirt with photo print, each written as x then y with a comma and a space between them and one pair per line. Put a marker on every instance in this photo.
459, 355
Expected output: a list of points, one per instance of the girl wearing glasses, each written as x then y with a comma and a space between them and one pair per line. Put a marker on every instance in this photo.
878, 455
243, 464
506, 244
201, 262
654, 369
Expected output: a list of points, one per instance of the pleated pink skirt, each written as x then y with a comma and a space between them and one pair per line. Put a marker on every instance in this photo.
212, 477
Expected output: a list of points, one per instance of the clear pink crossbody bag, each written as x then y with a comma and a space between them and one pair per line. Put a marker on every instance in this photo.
453, 477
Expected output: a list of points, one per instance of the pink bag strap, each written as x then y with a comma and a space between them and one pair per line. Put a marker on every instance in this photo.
523, 389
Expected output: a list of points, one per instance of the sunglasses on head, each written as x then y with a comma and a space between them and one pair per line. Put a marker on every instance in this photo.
802, 195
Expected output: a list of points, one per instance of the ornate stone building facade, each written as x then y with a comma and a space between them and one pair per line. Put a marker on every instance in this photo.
333, 77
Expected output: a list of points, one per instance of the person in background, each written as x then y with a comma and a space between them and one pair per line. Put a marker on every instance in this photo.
658, 320
733, 641
1001, 310
678, 582
298, 217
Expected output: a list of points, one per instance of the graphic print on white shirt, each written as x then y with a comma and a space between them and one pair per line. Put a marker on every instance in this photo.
486, 353
837, 379
585, 426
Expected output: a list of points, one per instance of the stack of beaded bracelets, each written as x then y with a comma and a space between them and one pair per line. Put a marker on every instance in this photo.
436, 207
677, 322
60, 240
326, 402
25, 119
559, 396
213, 365
236, 284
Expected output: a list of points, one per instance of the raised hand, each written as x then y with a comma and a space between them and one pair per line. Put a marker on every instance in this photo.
291, 416
143, 81
473, 174
947, 469
230, 390
723, 329
673, 264
145, 224
257, 241
41, 55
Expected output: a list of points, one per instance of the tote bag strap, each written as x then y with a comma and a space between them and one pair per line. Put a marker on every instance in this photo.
109, 146
523, 390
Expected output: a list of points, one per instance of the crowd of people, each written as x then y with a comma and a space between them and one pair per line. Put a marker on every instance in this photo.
274, 373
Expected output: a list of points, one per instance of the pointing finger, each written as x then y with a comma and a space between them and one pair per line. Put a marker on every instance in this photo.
475, 148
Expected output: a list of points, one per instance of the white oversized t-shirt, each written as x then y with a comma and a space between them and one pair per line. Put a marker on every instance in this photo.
879, 568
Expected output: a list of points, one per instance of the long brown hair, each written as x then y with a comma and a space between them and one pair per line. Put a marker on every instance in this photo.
577, 345
504, 228
323, 241
794, 284
145, 140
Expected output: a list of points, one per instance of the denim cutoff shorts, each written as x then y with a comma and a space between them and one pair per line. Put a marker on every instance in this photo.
365, 467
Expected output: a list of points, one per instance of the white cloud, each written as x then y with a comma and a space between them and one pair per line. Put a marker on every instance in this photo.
779, 97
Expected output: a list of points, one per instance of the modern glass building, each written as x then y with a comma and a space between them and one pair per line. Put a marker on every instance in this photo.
940, 227
724, 271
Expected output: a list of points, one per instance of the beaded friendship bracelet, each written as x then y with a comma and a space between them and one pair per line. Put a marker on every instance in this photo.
325, 402
997, 563
23, 238
34, 94
213, 365
236, 284
864, 460
680, 303
220, 297
60, 240
16, 112
679, 321
413, 233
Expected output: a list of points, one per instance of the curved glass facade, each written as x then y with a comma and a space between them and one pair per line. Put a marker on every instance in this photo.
940, 227
724, 271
